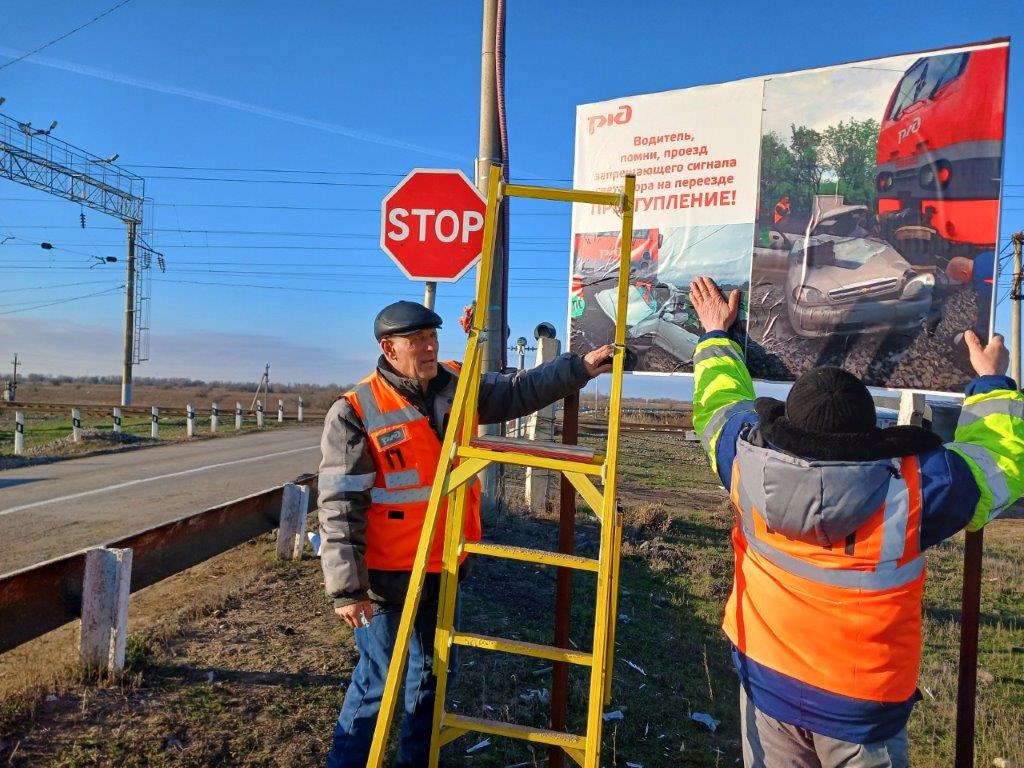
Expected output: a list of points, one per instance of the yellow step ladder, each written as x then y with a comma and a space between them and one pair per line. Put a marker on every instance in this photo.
463, 456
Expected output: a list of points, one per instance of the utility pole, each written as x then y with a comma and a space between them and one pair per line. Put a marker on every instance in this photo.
490, 152
1015, 296
129, 318
12, 386
264, 380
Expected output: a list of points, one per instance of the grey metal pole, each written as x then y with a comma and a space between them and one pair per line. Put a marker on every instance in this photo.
490, 152
429, 294
129, 319
1015, 297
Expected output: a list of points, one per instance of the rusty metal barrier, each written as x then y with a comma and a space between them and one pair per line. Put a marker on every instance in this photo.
41, 598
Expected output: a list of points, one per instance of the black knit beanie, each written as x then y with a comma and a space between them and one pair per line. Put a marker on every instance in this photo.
830, 400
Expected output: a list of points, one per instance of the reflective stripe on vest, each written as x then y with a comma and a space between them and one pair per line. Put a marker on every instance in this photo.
861, 595
406, 452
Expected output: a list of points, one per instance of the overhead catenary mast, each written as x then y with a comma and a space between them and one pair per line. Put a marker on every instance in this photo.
33, 157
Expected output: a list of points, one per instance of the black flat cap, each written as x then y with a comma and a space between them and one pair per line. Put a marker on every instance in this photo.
404, 317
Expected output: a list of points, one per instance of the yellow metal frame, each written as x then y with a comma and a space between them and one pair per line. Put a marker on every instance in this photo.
461, 462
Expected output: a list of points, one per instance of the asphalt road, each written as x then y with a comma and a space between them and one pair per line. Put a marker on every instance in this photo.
50, 510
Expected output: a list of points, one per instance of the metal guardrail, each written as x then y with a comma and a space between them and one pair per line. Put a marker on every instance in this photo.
41, 598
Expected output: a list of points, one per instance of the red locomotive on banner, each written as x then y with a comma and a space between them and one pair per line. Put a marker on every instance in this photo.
940, 151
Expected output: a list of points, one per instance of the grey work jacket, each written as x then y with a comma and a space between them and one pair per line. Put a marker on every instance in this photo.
345, 449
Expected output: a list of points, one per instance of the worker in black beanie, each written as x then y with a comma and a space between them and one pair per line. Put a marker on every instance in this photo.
833, 515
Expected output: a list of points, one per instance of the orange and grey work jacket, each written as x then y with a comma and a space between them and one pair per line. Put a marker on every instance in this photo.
381, 445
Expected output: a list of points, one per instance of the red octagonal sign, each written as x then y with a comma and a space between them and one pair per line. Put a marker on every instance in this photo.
432, 224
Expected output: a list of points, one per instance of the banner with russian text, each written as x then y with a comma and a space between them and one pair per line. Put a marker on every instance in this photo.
855, 207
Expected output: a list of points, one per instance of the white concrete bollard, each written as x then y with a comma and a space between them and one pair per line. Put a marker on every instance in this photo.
154, 422
117, 421
76, 424
291, 531
541, 426
300, 409
106, 585
19, 433
214, 417
280, 411
911, 408
238, 416
259, 414
190, 421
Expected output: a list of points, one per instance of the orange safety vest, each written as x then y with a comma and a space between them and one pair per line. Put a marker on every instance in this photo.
406, 452
845, 619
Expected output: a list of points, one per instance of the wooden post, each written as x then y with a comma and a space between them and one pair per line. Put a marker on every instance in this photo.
214, 417
967, 679
154, 426
117, 420
76, 424
190, 421
107, 583
291, 530
563, 581
19, 433
541, 425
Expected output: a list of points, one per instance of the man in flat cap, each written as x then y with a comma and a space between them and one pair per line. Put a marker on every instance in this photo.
381, 445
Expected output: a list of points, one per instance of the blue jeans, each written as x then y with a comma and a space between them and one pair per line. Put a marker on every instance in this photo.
354, 731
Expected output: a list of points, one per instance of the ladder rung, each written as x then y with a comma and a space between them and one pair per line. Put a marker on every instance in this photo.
521, 648
526, 555
566, 195
543, 448
465, 724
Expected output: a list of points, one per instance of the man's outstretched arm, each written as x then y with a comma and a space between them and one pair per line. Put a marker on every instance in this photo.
723, 392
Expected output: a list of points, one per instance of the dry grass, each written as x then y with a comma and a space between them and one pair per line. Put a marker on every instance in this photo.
247, 676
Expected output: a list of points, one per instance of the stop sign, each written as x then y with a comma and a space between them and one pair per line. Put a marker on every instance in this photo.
432, 224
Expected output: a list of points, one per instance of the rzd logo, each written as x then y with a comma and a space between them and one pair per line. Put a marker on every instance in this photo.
617, 118
914, 127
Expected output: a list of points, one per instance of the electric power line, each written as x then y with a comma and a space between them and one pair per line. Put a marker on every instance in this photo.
62, 301
43, 47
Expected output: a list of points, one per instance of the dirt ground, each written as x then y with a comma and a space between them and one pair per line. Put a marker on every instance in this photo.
240, 662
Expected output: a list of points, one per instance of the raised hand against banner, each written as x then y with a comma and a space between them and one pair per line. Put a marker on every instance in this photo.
987, 359
713, 310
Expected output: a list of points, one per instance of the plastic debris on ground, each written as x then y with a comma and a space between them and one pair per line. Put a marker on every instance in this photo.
536, 694
615, 714
314, 542
706, 719
637, 667
478, 746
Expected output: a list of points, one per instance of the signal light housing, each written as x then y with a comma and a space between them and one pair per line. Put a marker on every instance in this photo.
935, 176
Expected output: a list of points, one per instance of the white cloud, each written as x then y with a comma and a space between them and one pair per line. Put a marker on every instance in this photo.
820, 98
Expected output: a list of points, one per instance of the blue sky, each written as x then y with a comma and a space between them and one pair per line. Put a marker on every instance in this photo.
361, 93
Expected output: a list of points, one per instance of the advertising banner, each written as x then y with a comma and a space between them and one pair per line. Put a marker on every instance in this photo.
855, 206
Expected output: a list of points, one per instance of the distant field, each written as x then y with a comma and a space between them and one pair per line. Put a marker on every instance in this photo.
201, 396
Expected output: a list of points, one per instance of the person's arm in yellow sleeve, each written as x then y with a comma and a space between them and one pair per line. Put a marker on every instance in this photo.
723, 392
